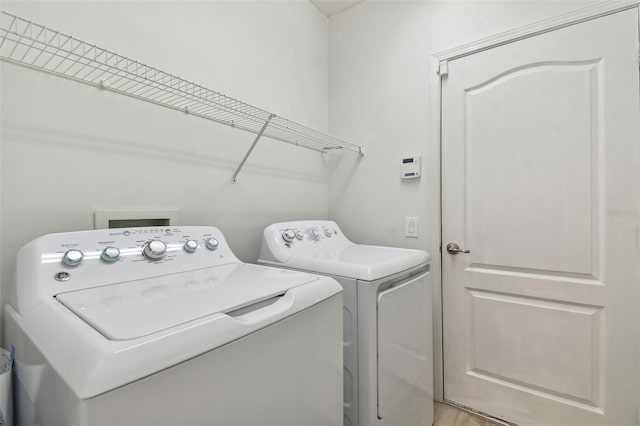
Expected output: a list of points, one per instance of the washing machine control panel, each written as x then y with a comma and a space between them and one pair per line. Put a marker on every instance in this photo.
84, 259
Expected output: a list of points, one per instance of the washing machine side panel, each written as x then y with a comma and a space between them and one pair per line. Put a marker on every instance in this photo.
287, 374
350, 343
41, 396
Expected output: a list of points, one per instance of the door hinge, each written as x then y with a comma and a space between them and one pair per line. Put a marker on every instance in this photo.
443, 69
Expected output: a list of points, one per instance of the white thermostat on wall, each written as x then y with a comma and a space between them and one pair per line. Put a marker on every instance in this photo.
410, 168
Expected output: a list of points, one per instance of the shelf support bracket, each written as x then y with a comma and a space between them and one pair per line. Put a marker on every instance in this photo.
234, 179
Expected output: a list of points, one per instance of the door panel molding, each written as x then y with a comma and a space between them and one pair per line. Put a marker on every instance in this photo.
575, 247
537, 274
562, 66
570, 379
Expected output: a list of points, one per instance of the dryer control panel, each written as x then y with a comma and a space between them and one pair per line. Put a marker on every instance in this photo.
85, 259
294, 231
286, 238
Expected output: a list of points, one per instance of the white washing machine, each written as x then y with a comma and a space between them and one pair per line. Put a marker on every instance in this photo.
388, 350
165, 326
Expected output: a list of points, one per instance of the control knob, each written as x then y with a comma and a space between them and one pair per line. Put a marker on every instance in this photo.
212, 244
288, 235
314, 234
299, 235
72, 257
327, 232
110, 254
190, 246
154, 250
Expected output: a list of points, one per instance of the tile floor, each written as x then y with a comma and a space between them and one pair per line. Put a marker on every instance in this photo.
446, 415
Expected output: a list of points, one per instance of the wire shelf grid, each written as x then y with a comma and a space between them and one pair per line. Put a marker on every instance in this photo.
36, 46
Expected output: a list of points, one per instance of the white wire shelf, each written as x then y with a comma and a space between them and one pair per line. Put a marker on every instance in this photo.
35, 46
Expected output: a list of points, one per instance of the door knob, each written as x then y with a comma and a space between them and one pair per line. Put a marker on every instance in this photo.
454, 248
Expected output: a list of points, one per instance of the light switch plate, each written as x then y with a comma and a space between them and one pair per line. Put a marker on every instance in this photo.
411, 227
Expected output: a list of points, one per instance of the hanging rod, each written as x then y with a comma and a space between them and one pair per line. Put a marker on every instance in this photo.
29, 44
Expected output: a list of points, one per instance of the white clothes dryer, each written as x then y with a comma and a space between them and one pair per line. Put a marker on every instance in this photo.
165, 326
388, 349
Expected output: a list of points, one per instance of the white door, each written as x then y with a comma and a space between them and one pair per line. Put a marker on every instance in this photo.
541, 182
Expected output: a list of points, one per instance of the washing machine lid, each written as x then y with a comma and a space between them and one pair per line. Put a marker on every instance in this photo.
358, 261
134, 309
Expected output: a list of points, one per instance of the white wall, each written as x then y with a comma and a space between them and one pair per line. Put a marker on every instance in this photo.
380, 74
67, 148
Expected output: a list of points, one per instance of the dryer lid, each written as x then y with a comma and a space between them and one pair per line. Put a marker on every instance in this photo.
133, 309
363, 262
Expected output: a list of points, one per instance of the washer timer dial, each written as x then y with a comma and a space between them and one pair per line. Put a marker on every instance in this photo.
154, 250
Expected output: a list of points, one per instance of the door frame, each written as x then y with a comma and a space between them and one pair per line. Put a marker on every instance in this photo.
438, 69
